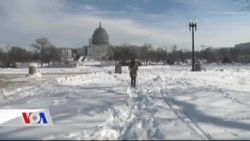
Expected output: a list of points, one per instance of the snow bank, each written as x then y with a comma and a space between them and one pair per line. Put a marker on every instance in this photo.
35, 75
85, 79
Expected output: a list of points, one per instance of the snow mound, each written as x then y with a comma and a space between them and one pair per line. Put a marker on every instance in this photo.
84, 79
37, 74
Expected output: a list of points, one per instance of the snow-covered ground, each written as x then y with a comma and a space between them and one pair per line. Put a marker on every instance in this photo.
169, 102
84, 69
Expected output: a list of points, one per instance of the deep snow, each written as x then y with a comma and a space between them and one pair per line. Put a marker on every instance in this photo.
169, 102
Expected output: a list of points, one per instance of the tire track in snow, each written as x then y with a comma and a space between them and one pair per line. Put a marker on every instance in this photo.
12, 96
193, 126
184, 116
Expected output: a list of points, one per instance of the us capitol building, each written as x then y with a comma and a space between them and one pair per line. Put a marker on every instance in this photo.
98, 47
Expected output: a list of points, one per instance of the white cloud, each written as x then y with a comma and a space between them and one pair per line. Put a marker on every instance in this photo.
227, 12
24, 21
89, 7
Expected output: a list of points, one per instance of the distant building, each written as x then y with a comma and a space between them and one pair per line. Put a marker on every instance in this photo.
244, 48
243, 45
213, 49
98, 47
66, 55
82, 51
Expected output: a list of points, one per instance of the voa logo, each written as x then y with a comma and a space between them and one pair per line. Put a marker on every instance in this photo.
34, 118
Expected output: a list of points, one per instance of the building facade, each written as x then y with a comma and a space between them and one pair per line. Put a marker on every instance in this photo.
82, 51
98, 47
66, 55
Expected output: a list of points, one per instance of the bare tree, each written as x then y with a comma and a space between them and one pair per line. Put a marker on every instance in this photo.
6, 57
8, 53
110, 52
51, 54
41, 44
173, 48
18, 54
2, 57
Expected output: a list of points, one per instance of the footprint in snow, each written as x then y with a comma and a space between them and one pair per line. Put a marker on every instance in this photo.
235, 100
130, 92
158, 134
226, 95
234, 134
56, 102
30, 101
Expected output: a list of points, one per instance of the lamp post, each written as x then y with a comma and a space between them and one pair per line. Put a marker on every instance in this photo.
192, 27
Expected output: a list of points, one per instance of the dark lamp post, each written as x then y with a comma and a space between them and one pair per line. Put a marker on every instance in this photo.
192, 27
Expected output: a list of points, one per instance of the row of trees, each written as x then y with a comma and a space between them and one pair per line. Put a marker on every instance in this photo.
148, 52
45, 52
173, 54
10, 55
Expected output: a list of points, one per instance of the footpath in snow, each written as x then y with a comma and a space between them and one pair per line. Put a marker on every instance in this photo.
168, 103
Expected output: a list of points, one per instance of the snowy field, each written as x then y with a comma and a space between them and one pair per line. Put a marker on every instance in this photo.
85, 69
169, 102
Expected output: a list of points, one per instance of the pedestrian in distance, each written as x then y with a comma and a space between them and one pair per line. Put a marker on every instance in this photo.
133, 67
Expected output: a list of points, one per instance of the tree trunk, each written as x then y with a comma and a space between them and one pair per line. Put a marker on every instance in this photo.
42, 57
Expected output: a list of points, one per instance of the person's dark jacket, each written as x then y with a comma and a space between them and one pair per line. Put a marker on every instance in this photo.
133, 67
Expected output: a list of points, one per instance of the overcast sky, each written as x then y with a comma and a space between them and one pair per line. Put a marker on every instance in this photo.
70, 23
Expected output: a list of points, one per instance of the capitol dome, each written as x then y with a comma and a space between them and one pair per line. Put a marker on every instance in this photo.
100, 36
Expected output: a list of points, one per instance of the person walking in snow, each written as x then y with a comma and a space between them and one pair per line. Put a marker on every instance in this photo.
133, 67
